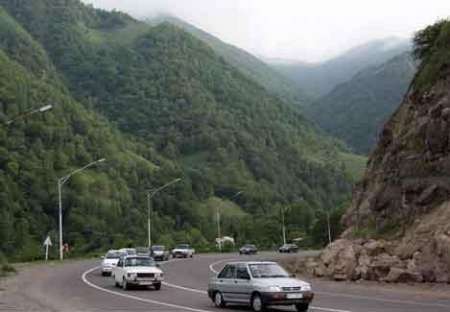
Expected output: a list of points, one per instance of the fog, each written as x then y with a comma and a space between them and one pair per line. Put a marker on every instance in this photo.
312, 30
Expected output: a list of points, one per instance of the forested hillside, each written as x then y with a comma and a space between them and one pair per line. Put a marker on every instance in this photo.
172, 108
355, 111
248, 64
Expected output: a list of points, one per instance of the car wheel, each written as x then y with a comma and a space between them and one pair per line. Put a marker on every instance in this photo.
301, 307
257, 303
125, 284
157, 286
116, 284
218, 300
192, 255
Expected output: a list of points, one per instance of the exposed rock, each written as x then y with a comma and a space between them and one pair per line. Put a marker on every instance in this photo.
340, 259
397, 275
404, 196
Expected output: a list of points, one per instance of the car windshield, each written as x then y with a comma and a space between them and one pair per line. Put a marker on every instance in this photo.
183, 246
158, 248
134, 262
113, 255
249, 246
267, 270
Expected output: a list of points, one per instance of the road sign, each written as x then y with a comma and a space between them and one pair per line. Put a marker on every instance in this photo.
47, 243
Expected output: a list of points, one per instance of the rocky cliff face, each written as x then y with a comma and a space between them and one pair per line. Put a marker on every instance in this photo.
404, 199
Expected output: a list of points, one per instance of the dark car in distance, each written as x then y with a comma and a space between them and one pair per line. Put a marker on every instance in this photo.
288, 248
248, 249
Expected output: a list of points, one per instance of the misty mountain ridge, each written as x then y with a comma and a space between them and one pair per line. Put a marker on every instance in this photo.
318, 79
250, 65
355, 111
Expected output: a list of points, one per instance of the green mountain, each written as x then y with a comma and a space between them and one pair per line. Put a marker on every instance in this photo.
171, 108
356, 110
319, 79
35, 152
248, 64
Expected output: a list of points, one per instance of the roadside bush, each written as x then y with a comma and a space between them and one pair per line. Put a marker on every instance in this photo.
5, 267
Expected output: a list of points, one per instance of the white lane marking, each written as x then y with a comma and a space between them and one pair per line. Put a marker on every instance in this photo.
211, 268
170, 305
203, 292
384, 300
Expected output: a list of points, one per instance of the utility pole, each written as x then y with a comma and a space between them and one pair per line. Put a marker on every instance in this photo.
219, 236
61, 182
283, 227
149, 224
329, 227
150, 195
218, 230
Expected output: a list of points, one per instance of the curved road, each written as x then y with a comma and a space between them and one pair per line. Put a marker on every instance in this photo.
79, 286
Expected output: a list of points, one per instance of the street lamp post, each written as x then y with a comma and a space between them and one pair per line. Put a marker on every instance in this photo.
328, 226
150, 195
218, 229
283, 226
61, 182
31, 112
219, 242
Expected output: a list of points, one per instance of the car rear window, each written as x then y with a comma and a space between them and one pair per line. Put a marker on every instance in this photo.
133, 262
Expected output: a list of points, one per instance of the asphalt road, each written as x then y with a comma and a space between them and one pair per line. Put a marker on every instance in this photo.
79, 286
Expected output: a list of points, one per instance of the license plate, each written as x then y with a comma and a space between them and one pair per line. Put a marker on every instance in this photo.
294, 296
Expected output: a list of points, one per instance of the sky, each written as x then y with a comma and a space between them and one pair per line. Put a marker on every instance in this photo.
301, 30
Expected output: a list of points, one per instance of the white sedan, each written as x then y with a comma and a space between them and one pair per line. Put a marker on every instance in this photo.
110, 261
137, 271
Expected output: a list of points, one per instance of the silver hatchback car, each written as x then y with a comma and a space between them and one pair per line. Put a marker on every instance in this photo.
258, 284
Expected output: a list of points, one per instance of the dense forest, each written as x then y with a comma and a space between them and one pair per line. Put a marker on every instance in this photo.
251, 66
158, 104
355, 111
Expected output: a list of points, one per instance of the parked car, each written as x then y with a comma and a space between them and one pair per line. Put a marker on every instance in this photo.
137, 271
248, 249
259, 284
183, 251
110, 261
288, 248
159, 252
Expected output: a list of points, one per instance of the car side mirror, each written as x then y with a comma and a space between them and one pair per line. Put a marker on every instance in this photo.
293, 275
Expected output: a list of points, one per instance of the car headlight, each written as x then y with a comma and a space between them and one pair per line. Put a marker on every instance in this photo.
306, 287
132, 275
274, 289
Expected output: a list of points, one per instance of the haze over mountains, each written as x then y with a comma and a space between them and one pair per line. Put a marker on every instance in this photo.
247, 63
359, 101
317, 80
356, 110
